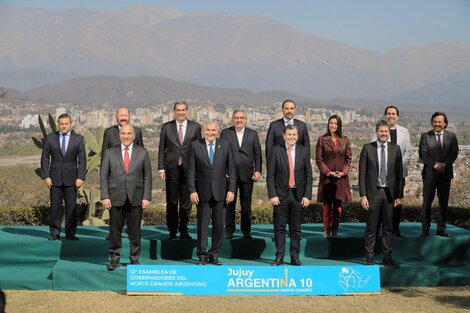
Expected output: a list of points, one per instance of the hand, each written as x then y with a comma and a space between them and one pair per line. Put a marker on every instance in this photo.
194, 198
230, 197
440, 167
275, 201
365, 203
145, 203
397, 202
106, 203
256, 176
78, 183
48, 182
162, 175
305, 202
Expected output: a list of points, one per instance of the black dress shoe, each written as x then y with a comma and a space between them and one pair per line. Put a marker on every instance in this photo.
113, 265
229, 236
425, 234
370, 261
295, 262
247, 236
135, 262
53, 237
172, 237
73, 238
443, 233
215, 261
202, 261
390, 262
277, 262
185, 236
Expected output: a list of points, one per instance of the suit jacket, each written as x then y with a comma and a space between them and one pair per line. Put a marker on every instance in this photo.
211, 180
170, 149
429, 154
369, 171
404, 141
278, 172
275, 135
329, 159
248, 156
117, 185
111, 138
63, 170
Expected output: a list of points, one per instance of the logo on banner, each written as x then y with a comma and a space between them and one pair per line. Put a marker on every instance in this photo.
349, 278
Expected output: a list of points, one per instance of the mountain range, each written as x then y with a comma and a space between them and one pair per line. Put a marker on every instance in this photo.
42, 46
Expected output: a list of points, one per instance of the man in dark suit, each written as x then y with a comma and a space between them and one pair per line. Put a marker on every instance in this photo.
63, 168
111, 134
211, 181
175, 139
246, 150
438, 150
126, 189
275, 135
289, 180
381, 190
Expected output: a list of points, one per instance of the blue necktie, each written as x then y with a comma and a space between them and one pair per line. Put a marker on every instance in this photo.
211, 152
63, 148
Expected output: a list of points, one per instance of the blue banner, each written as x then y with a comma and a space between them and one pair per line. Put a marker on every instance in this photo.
253, 280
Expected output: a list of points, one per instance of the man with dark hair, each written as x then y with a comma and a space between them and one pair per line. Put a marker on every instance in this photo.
63, 169
399, 135
175, 140
275, 135
289, 180
381, 190
246, 150
438, 149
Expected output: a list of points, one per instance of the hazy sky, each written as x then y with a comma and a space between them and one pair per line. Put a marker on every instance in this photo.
378, 25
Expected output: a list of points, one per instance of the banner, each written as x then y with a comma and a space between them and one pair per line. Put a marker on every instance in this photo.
252, 280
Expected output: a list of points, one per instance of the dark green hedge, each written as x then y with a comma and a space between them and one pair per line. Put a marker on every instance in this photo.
262, 214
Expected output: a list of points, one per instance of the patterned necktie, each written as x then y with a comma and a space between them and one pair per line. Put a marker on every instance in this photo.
126, 159
383, 167
63, 148
180, 136
439, 144
211, 152
291, 168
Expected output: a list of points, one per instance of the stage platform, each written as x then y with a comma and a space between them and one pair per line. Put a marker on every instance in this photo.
29, 261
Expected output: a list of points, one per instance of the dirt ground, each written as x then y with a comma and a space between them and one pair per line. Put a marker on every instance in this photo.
429, 300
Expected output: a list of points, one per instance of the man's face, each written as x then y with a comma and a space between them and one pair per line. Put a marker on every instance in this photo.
123, 116
65, 124
392, 117
383, 133
290, 137
210, 132
126, 135
181, 112
239, 120
333, 125
288, 110
438, 123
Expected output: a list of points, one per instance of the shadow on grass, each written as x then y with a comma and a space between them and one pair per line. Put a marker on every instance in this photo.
462, 302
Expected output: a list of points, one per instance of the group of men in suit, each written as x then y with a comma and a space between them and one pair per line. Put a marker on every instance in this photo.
209, 171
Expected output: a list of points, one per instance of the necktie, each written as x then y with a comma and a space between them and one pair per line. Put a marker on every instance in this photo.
383, 167
439, 144
291, 168
289, 122
63, 147
126, 159
211, 152
180, 135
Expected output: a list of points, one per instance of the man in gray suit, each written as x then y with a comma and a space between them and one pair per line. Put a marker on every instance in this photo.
246, 150
381, 190
211, 181
126, 189
175, 139
438, 149
399, 135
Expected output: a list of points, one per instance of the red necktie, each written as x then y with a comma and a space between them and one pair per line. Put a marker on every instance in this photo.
126, 159
291, 168
180, 135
